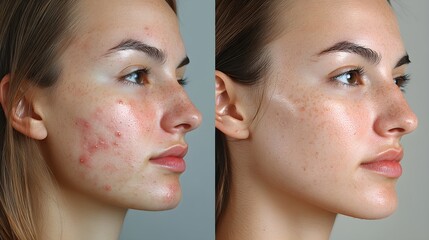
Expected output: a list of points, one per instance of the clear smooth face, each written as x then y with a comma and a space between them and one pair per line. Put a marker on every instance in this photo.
117, 117
333, 113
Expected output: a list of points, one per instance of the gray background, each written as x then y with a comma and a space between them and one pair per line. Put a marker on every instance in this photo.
411, 220
193, 219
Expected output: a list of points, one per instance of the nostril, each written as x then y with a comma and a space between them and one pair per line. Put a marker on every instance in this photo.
397, 130
184, 126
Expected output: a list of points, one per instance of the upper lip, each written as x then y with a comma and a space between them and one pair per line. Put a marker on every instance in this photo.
174, 151
392, 154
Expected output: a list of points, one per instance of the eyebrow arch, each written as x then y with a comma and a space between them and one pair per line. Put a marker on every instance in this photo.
184, 62
132, 44
346, 46
404, 60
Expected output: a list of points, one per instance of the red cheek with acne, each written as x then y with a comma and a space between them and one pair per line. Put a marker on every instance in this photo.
111, 130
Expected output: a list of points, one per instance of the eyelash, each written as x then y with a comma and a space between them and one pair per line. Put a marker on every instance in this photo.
183, 81
357, 72
143, 73
400, 81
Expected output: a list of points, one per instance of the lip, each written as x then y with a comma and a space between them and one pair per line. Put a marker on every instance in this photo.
387, 163
172, 158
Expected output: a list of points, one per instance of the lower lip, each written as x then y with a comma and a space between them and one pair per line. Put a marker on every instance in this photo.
174, 164
390, 169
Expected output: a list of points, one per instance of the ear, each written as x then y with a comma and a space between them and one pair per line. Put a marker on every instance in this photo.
23, 117
229, 113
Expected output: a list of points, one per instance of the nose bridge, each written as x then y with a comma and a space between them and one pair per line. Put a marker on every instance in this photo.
396, 117
180, 115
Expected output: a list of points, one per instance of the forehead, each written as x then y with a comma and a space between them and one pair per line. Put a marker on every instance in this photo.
321, 23
103, 24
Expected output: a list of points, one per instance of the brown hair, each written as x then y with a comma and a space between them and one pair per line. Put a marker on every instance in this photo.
243, 29
32, 36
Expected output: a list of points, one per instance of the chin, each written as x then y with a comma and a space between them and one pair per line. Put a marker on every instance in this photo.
165, 199
378, 207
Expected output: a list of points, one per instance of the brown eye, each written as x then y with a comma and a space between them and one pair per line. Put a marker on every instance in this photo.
351, 78
137, 77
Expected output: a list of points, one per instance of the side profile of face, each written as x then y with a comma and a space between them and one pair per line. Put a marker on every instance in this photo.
117, 117
333, 113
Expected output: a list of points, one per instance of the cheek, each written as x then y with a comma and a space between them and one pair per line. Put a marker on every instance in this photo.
312, 138
113, 135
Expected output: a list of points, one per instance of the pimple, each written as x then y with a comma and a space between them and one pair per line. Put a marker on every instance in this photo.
84, 160
118, 134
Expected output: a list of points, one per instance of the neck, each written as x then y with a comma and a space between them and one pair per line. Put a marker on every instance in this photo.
69, 215
258, 211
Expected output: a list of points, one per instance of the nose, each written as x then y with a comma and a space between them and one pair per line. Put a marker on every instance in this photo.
181, 116
396, 117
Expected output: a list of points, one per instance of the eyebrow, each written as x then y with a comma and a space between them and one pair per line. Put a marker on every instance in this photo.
184, 62
132, 44
367, 53
346, 46
404, 60
153, 52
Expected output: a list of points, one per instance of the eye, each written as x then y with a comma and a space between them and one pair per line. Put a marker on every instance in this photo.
402, 81
137, 77
350, 78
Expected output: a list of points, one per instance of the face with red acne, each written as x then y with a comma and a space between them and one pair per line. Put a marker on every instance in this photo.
118, 115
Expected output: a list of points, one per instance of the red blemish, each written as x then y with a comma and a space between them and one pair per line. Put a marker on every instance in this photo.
83, 124
107, 188
84, 160
118, 134
99, 144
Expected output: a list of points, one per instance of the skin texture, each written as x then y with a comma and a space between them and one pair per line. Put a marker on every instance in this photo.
303, 152
103, 128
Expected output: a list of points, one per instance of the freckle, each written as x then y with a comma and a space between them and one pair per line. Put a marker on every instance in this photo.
120, 102
304, 168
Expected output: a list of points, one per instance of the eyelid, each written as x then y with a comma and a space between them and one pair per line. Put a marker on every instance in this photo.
339, 71
133, 68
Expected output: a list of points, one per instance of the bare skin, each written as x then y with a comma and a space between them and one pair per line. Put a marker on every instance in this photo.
325, 114
118, 105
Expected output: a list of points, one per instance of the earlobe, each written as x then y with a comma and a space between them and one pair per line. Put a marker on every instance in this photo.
23, 116
229, 117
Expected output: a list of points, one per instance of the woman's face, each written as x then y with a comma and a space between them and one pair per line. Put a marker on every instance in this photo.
118, 115
333, 113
